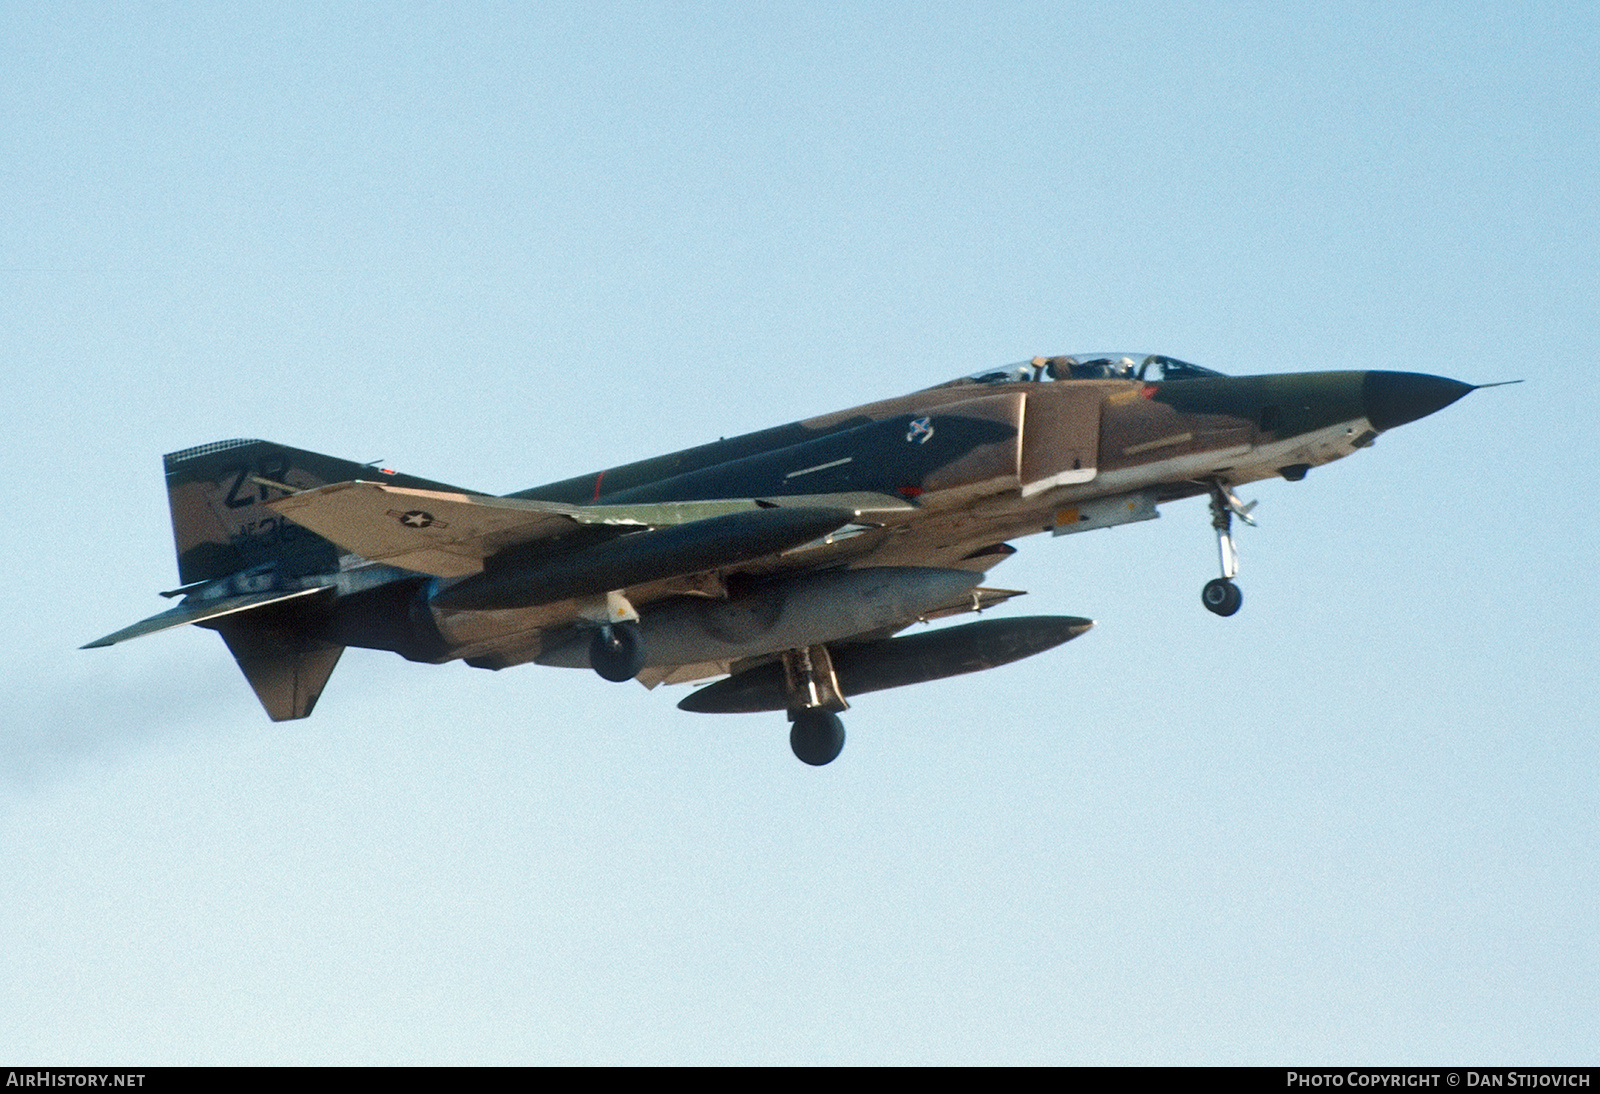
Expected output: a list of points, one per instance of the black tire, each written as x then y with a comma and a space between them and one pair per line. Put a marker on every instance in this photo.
616, 652
1221, 596
817, 737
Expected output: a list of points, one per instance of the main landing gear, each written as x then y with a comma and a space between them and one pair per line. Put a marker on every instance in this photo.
1221, 595
817, 733
817, 736
616, 651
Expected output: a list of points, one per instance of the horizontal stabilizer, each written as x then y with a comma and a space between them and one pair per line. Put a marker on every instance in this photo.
193, 611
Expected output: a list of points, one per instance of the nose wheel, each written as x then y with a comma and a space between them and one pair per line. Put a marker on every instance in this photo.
1221, 596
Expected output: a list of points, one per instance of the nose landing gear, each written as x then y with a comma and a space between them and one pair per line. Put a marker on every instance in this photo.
1221, 595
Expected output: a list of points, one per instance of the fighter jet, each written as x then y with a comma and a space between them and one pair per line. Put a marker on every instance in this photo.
787, 562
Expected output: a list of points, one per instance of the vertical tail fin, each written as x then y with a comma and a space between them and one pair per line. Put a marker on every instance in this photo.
221, 525
216, 493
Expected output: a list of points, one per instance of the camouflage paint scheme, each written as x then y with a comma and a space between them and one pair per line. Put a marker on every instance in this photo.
785, 559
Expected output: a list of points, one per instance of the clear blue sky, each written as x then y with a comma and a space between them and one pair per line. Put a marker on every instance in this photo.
501, 244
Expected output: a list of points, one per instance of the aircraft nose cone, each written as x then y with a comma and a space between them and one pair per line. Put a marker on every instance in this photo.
1395, 398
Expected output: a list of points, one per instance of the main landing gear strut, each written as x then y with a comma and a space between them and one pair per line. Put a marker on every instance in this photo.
617, 651
817, 733
616, 647
1221, 595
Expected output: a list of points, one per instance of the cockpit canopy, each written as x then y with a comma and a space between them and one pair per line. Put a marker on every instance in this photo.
1148, 368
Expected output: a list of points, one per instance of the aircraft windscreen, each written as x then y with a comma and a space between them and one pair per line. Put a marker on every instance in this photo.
1148, 368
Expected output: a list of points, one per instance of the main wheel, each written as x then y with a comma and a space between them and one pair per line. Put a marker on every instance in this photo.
1221, 596
817, 737
616, 651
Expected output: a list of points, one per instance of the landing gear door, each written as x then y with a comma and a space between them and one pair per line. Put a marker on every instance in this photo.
1061, 434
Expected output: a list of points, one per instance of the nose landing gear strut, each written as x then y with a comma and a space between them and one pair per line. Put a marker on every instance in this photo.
1221, 595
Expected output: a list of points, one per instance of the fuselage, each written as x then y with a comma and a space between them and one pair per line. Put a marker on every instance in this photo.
987, 459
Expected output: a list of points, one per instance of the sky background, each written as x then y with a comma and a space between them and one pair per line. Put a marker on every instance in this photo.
499, 244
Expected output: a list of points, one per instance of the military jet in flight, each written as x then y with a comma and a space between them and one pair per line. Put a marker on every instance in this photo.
786, 562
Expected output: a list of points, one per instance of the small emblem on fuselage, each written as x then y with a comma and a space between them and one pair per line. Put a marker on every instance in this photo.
921, 431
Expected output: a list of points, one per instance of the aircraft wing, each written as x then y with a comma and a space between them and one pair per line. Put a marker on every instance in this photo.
450, 534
